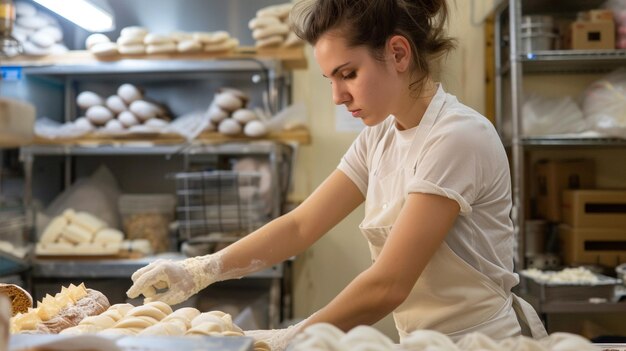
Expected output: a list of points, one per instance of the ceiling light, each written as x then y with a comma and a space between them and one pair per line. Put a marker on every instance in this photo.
84, 13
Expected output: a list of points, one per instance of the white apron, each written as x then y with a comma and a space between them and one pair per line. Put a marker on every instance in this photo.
450, 296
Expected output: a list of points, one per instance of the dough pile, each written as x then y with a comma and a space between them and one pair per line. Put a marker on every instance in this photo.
270, 27
227, 114
157, 318
137, 40
39, 33
74, 233
326, 337
63, 310
126, 111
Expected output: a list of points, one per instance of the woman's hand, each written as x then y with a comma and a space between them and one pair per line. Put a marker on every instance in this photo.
179, 279
277, 339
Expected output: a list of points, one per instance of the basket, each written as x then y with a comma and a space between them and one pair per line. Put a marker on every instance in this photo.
218, 202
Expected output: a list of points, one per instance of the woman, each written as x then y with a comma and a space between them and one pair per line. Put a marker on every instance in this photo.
432, 172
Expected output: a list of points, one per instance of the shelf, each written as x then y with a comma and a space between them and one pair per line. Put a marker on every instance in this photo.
573, 142
115, 268
83, 62
164, 145
557, 61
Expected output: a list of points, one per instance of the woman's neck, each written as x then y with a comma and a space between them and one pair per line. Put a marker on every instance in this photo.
412, 108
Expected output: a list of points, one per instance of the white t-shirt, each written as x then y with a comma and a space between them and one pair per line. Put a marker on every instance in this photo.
462, 158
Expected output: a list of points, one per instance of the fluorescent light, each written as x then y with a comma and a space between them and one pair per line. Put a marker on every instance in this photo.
83, 13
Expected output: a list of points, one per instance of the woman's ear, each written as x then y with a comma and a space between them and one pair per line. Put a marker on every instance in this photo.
400, 50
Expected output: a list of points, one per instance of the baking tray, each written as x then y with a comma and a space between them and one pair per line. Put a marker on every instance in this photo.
604, 288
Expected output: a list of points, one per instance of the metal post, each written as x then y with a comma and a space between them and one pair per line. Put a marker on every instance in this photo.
518, 214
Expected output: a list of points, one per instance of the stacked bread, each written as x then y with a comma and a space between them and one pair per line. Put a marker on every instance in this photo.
20, 299
137, 40
270, 27
328, 337
39, 33
228, 114
78, 233
127, 111
63, 310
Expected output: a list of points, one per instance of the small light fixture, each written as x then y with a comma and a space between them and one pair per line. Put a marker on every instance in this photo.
91, 15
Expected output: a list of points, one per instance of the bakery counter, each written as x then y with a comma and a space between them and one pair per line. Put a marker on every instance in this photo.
26, 342
115, 268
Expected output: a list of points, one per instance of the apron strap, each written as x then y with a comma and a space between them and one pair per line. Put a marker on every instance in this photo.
528, 319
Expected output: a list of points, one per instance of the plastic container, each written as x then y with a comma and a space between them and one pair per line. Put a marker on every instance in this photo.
148, 216
17, 120
538, 33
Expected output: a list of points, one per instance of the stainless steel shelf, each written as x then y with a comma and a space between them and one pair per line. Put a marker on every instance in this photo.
573, 61
573, 142
130, 66
149, 148
115, 268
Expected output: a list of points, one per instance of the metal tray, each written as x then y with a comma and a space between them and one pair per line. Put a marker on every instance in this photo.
550, 291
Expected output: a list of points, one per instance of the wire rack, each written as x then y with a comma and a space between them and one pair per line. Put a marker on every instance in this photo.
218, 202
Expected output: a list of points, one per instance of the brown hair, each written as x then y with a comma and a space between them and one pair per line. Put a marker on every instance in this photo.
370, 23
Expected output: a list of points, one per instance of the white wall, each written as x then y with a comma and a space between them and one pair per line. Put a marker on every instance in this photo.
327, 267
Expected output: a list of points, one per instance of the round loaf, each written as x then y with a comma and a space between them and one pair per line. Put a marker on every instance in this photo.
114, 126
20, 299
216, 114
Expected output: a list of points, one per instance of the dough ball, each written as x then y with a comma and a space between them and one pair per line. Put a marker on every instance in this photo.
255, 129
129, 93
116, 104
229, 127
128, 119
99, 115
87, 99
228, 101
144, 110
244, 115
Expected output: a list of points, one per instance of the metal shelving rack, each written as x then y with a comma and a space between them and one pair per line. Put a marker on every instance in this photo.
274, 73
516, 64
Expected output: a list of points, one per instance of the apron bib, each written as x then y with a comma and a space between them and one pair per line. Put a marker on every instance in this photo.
450, 295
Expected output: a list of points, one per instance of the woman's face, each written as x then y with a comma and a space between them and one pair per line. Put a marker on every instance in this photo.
369, 88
